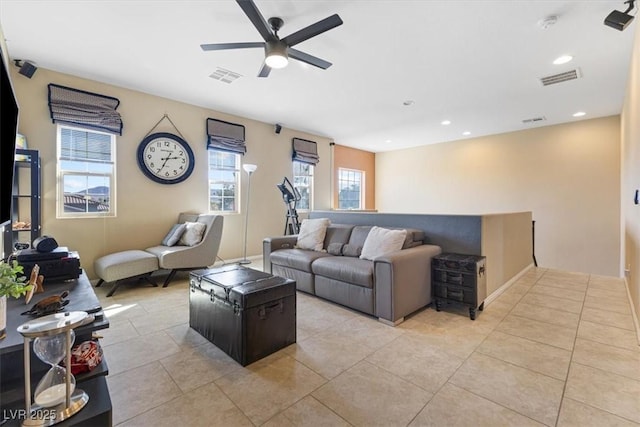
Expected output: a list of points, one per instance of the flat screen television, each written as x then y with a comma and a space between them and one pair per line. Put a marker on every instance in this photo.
8, 129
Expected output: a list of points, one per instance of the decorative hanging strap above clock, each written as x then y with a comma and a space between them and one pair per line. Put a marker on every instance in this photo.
166, 116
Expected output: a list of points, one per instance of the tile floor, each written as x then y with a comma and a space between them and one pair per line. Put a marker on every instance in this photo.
556, 348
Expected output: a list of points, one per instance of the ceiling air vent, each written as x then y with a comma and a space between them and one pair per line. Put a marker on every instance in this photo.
562, 77
225, 75
534, 120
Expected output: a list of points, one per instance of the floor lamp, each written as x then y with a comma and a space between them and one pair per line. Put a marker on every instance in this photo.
250, 169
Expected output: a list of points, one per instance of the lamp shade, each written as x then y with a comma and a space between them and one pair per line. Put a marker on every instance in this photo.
276, 54
249, 168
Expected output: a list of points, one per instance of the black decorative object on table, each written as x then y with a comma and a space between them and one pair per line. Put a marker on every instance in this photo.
461, 279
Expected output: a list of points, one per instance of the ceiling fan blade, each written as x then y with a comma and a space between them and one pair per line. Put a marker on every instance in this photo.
264, 71
313, 30
309, 59
225, 46
251, 10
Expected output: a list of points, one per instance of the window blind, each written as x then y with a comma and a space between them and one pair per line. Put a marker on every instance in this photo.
225, 136
305, 151
83, 146
85, 109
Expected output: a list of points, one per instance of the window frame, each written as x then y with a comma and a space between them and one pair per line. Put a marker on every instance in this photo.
310, 176
62, 173
362, 187
237, 183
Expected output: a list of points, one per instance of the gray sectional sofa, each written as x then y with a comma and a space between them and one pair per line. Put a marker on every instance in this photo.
390, 287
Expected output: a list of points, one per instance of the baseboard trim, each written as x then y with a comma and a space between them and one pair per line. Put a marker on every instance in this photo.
495, 294
634, 314
391, 323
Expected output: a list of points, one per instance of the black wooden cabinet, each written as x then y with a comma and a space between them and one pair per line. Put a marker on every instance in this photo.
461, 279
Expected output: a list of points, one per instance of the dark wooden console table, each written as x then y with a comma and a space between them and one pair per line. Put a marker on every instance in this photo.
81, 297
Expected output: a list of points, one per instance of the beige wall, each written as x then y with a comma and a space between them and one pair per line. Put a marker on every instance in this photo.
631, 175
145, 209
506, 242
567, 175
352, 158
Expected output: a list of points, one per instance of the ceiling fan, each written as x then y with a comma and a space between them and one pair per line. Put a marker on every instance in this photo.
277, 50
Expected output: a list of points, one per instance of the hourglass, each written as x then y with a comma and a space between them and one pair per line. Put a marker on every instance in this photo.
55, 398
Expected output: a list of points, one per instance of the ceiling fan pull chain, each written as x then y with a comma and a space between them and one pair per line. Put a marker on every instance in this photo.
166, 116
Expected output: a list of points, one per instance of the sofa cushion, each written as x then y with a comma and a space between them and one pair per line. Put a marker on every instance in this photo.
337, 233
351, 250
381, 241
312, 234
174, 235
335, 249
414, 238
300, 259
359, 235
192, 234
346, 269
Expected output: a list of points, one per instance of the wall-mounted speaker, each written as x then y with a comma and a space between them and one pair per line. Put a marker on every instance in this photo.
27, 68
278, 128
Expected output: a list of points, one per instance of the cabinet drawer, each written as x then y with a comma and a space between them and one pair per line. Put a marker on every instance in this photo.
454, 278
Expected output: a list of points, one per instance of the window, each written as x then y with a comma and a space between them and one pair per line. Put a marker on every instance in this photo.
86, 173
303, 181
351, 185
224, 173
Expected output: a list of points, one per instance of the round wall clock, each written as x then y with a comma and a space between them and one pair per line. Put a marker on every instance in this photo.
165, 158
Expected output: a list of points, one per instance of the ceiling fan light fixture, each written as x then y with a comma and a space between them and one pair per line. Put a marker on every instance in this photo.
276, 54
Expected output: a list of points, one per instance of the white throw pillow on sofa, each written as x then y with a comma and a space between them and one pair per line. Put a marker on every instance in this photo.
381, 241
192, 234
312, 233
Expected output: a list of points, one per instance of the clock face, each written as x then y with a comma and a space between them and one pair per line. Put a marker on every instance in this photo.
165, 158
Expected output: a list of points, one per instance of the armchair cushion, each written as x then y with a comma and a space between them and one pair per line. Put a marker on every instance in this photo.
174, 235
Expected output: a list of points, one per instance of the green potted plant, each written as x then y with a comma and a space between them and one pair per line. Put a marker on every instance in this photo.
12, 284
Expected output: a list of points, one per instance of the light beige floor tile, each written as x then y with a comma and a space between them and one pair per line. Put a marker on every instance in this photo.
185, 336
608, 304
616, 294
510, 298
138, 390
307, 412
542, 332
412, 358
267, 387
117, 332
194, 368
608, 358
456, 340
563, 284
609, 318
574, 414
542, 358
159, 320
554, 292
329, 353
610, 392
456, 407
366, 395
117, 311
566, 275
205, 406
368, 331
561, 304
604, 334
316, 319
139, 351
529, 393
546, 314
606, 281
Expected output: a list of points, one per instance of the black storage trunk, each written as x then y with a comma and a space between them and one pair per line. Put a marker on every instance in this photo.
246, 313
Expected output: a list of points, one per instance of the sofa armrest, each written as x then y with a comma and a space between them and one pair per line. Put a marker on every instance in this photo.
403, 282
270, 244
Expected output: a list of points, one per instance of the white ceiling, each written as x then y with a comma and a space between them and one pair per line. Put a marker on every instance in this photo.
476, 63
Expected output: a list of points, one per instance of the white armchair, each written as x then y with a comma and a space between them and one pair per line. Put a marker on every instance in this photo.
201, 255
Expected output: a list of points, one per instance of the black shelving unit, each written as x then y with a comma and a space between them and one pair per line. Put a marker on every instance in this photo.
26, 200
459, 279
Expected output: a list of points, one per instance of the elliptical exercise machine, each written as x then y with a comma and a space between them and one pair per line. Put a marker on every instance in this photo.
291, 196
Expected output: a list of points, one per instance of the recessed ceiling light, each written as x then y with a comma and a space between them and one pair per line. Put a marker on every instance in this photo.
562, 59
388, 141
445, 122
579, 114
408, 102
466, 133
